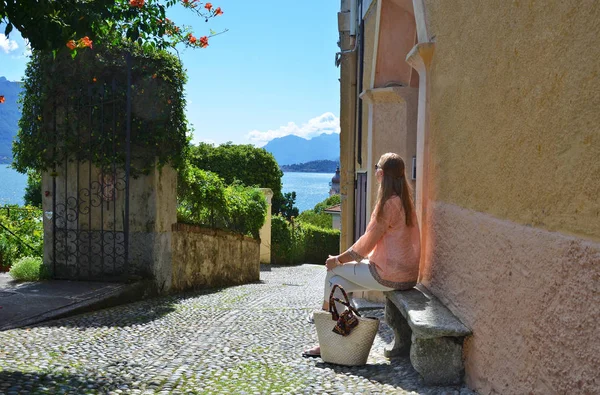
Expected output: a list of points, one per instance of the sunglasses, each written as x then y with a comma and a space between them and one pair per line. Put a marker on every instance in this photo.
377, 167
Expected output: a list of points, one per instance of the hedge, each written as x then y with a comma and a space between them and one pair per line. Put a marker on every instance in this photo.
299, 242
205, 200
319, 243
21, 234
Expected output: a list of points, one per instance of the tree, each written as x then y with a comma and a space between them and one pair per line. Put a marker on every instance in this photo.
317, 216
284, 205
33, 191
76, 24
51, 25
248, 164
330, 201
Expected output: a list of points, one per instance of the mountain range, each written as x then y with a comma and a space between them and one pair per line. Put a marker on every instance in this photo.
291, 149
9, 117
315, 166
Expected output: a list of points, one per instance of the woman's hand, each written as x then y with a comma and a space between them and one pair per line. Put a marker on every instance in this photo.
332, 262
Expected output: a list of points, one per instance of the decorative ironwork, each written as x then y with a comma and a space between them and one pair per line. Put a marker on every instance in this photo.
90, 195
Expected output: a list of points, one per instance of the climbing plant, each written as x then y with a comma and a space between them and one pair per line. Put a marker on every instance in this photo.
62, 95
50, 25
76, 25
204, 199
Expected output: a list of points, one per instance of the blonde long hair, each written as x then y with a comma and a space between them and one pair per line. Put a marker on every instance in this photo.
394, 182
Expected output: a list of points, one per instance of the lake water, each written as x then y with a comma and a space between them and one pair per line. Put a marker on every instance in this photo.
12, 186
310, 188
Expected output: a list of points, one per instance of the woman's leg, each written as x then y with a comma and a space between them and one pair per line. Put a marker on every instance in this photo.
353, 277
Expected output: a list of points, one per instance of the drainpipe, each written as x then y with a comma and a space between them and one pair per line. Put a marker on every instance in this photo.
359, 86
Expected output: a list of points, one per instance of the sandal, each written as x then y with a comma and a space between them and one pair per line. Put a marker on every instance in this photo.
306, 354
311, 354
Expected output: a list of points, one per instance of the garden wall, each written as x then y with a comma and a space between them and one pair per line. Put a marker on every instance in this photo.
204, 258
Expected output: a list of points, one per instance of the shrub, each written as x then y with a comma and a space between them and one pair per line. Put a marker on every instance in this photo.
201, 197
319, 243
317, 216
33, 191
300, 242
21, 234
246, 209
205, 200
286, 242
28, 268
250, 165
321, 220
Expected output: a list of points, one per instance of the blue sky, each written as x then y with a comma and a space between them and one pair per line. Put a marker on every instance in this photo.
270, 75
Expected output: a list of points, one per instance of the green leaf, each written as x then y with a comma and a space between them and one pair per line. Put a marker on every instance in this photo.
8, 29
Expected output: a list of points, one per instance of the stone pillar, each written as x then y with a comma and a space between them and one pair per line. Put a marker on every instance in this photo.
153, 211
265, 231
89, 214
420, 59
393, 127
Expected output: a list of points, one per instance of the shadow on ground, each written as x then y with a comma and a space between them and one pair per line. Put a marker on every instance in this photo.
60, 382
399, 373
137, 313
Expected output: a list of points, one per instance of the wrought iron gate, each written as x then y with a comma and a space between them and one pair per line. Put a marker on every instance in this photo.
90, 189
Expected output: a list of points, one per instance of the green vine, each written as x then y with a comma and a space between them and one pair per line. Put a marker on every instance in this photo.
75, 108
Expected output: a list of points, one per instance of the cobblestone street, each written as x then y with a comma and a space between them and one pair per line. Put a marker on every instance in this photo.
239, 340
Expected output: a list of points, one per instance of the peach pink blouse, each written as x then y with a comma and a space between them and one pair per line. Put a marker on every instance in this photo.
392, 247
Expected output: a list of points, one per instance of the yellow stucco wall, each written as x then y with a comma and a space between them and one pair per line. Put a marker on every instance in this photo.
515, 119
347, 135
265, 231
514, 177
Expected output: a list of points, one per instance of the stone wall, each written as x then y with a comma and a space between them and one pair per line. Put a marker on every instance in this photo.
204, 258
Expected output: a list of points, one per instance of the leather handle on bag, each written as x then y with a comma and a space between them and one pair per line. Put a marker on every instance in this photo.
333, 309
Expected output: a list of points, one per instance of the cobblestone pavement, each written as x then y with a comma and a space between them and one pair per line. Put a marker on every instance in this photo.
238, 340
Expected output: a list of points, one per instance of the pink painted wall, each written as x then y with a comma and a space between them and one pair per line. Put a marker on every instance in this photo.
397, 32
531, 297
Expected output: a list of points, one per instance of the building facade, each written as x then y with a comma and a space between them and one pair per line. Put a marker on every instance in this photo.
494, 107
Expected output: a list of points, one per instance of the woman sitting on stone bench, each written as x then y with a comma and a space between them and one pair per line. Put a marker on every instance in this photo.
391, 243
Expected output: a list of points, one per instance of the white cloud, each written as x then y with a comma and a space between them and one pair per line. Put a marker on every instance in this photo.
8, 45
326, 123
198, 139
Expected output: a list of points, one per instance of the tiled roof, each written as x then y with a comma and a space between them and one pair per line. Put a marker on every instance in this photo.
334, 209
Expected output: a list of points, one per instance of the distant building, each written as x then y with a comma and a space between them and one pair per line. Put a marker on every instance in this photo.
335, 183
335, 212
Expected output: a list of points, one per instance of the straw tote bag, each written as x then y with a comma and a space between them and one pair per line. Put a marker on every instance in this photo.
352, 346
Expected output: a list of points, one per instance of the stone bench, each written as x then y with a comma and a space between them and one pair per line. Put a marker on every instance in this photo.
427, 331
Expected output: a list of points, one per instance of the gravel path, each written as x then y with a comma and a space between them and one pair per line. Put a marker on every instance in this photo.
238, 340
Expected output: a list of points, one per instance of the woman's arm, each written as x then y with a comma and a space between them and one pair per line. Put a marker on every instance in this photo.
365, 244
